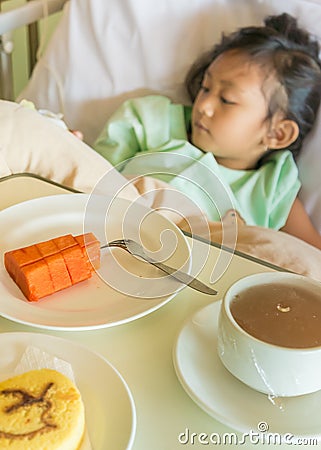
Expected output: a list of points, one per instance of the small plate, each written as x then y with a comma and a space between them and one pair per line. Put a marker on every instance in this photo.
227, 399
109, 406
122, 290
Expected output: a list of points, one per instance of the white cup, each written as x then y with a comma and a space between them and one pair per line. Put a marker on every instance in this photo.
265, 367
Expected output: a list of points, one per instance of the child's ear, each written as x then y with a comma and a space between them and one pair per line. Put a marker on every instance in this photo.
282, 134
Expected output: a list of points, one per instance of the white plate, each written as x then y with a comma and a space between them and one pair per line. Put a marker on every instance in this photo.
124, 288
109, 406
227, 399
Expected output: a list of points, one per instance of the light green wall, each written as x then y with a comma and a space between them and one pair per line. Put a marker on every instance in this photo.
20, 55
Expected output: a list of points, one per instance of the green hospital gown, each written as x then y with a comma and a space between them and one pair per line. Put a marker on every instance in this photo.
148, 136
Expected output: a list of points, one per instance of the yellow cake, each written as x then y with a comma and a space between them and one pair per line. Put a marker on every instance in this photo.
40, 409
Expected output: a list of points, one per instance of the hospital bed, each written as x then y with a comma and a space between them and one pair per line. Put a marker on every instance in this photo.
105, 51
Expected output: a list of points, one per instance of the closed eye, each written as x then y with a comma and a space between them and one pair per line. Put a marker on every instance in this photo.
204, 88
226, 101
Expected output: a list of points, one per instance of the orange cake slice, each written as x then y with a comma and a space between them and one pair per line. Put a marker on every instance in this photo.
46, 267
91, 248
76, 264
34, 280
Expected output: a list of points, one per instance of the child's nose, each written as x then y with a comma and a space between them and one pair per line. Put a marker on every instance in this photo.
208, 107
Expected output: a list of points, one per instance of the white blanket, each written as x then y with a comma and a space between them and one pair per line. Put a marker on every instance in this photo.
32, 143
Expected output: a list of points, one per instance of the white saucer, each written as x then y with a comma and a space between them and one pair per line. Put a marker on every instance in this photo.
227, 399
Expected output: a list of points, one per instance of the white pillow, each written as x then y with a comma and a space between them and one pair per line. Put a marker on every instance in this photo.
106, 51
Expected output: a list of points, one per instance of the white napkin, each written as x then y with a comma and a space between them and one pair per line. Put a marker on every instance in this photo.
34, 358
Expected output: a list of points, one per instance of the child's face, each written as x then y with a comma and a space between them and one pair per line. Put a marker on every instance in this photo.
230, 111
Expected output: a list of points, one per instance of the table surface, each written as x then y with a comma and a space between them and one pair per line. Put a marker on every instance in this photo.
142, 349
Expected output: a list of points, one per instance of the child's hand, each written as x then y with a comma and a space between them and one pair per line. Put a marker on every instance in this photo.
78, 134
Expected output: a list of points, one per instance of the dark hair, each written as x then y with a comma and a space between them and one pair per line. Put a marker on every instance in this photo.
289, 53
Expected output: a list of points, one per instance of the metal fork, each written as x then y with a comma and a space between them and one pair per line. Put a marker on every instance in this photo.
135, 249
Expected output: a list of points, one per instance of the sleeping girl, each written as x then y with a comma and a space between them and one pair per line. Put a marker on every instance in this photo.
255, 97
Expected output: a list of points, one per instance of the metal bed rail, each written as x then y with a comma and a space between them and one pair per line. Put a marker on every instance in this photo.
26, 15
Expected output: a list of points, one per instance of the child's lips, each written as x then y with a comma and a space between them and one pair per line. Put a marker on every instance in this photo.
201, 127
